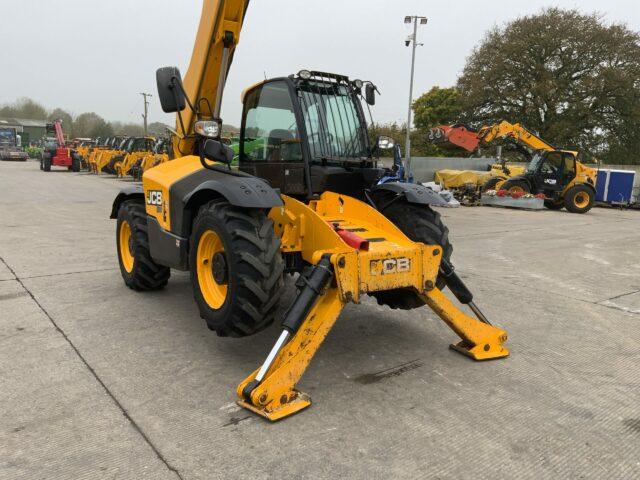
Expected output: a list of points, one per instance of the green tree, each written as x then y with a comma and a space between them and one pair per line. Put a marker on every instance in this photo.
566, 75
420, 146
439, 106
24, 108
129, 129
67, 121
92, 125
158, 129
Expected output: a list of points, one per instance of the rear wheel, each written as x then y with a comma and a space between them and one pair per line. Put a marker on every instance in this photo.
236, 268
579, 199
492, 183
46, 163
516, 186
75, 164
421, 224
138, 269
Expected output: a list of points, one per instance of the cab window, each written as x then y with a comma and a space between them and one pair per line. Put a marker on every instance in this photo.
270, 131
553, 163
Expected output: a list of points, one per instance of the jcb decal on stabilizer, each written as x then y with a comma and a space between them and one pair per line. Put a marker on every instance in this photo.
389, 266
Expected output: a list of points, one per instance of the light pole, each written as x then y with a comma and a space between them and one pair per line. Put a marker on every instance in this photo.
146, 110
413, 41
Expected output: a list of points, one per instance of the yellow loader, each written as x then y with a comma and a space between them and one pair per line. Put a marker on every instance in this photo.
321, 215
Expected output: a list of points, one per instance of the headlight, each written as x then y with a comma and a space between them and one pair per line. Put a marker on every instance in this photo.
304, 74
207, 128
358, 84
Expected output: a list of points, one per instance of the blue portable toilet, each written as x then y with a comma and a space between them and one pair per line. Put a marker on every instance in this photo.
615, 186
603, 176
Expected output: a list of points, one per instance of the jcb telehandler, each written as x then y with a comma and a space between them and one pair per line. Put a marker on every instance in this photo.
136, 149
160, 154
558, 174
308, 202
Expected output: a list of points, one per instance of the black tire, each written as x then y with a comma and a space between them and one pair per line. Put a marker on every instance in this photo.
145, 274
491, 183
421, 224
254, 268
46, 163
573, 197
75, 164
110, 168
515, 183
41, 163
554, 204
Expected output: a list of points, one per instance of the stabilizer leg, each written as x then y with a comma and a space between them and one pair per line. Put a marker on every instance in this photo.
270, 390
480, 340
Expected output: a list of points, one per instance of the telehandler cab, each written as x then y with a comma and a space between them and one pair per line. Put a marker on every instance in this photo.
306, 202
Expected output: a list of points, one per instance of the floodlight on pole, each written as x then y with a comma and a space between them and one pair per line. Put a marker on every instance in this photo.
412, 39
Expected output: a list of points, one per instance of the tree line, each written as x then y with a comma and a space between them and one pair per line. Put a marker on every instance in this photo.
570, 77
85, 125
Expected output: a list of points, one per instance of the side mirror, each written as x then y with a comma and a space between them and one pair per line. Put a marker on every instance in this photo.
385, 143
370, 93
170, 89
216, 151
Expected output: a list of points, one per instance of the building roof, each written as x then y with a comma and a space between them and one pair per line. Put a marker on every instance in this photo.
23, 122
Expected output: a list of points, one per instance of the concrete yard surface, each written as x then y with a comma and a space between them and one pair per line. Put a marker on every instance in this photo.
98, 381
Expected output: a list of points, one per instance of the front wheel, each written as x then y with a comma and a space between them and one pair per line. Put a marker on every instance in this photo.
236, 268
516, 186
46, 163
421, 224
492, 183
138, 269
579, 199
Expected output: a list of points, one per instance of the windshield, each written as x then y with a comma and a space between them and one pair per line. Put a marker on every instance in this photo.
332, 120
7, 137
535, 163
139, 145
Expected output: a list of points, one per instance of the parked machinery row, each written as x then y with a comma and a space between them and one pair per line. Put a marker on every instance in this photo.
120, 155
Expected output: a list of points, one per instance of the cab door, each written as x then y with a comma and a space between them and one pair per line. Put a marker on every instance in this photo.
550, 178
270, 141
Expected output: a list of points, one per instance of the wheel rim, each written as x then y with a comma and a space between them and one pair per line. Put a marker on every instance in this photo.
126, 247
516, 189
581, 200
210, 259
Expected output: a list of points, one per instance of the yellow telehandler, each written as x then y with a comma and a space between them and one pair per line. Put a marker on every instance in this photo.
135, 150
564, 181
322, 215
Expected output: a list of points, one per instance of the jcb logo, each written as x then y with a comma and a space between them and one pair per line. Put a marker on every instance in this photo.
389, 266
154, 197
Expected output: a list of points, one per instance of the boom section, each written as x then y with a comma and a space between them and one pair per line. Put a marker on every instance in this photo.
218, 35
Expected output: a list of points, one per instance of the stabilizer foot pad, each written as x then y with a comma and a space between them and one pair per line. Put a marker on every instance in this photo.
481, 352
299, 402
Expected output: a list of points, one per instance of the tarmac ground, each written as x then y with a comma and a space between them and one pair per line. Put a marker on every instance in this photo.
98, 381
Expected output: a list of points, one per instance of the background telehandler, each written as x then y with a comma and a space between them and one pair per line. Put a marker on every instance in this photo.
308, 202
564, 181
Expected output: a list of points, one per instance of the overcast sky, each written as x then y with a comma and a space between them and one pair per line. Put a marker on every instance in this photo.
97, 55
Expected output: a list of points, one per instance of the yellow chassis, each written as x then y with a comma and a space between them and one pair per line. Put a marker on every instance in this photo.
124, 167
310, 230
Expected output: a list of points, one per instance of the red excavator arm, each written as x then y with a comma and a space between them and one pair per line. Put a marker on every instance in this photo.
455, 136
